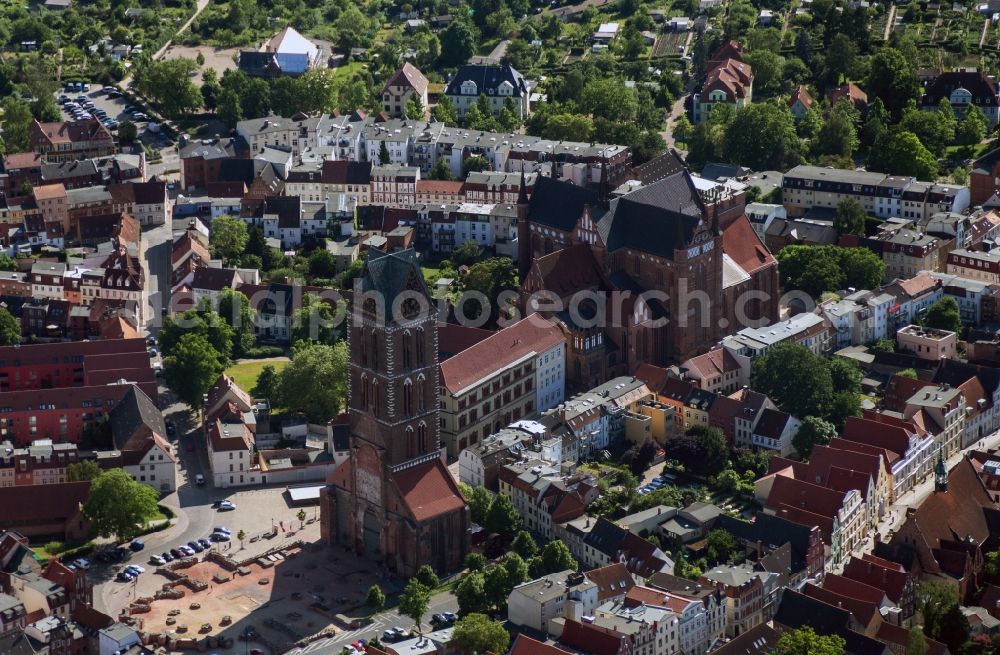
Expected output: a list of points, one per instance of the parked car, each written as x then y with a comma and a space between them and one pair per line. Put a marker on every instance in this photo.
222, 528
135, 569
204, 543
226, 506
166, 557
177, 553
188, 551
137, 545
220, 536
124, 576
199, 479
157, 559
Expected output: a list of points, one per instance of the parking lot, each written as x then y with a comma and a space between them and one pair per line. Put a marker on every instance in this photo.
115, 108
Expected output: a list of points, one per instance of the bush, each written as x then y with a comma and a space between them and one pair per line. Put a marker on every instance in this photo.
261, 352
55, 547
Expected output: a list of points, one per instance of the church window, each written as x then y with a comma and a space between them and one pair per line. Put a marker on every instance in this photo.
407, 355
407, 398
420, 347
422, 437
373, 349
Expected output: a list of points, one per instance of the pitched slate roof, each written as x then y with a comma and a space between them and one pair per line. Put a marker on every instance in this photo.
135, 413
655, 219
390, 274
559, 204
983, 87
486, 77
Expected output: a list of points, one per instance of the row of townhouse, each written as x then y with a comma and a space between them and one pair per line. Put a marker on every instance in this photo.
886, 196
30, 167
412, 143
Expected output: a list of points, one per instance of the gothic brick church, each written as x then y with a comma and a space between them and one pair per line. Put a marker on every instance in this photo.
393, 500
677, 234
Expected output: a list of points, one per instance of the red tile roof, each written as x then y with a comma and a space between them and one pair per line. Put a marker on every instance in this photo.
792, 493
823, 457
801, 94
428, 490
42, 503
853, 588
889, 579
454, 338
877, 433
653, 376
592, 640
440, 186
865, 612
639, 595
531, 335
611, 580
22, 160
408, 75
742, 244
714, 362
918, 284
525, 645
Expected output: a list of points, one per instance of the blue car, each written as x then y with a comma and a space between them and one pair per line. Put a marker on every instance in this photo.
204, 543
137, 545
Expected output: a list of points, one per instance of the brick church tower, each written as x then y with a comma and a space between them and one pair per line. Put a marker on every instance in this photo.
393, 500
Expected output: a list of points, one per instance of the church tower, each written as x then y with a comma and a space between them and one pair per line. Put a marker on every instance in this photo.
394, 500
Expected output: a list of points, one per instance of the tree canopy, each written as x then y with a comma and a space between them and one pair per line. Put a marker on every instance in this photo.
118, 505
818, 269
191, 368
297, 387
944, 315
477, 633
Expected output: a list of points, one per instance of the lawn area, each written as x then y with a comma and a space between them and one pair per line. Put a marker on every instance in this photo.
348, 69
246, 373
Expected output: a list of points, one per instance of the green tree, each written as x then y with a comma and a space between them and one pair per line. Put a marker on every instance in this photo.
471, 593
10, 328
491, 277
375, 599
721, 546
805, 641
850, 217
8, 263
267, 382
814, 431
475, 562
86, 469
568, 127
384, 158
524, 545
228, 238
768, 68
891, 78
441, 170
516, 569
202, 322
555, 557
354, 28
413, 109
168, 84
713, 448
843, 405
845, 375
234, 309
933, 129
228, 107
840, 59
301, 516
414, 600
318, 320
297, 389
118, 505
762, 137
191, 368
839, 135
902, 153
127, 132
476, 634
479, 500
916, 643
796, 378
502, 517
466, 254
972, 129
426, 576
475, 164
17, 121
943, 618
240, 536
944, 315
444, 111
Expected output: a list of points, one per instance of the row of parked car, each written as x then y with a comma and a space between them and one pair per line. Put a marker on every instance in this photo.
193, 547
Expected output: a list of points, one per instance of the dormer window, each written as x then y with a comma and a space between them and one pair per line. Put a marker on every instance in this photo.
469, 88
